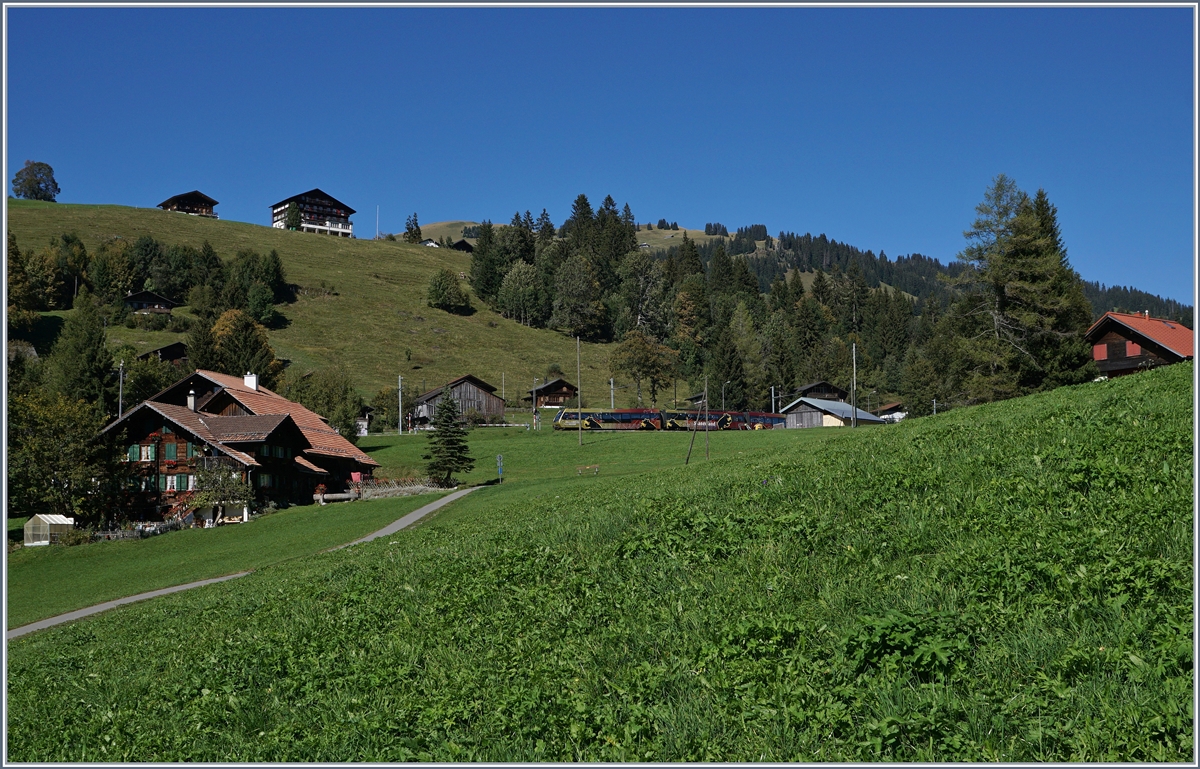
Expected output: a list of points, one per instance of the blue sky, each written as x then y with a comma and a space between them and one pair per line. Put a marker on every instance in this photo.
878, 127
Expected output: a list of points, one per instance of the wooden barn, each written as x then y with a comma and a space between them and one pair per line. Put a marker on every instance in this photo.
195, 203
1124, 343
554, 394
823, 391
463, 245
148, 301
470, 393
175, 352
817, 412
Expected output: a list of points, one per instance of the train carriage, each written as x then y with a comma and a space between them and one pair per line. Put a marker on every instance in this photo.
609, 419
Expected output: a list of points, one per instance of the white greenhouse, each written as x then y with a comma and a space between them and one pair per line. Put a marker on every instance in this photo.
42, 529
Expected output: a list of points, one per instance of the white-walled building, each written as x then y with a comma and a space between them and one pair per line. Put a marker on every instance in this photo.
319, 212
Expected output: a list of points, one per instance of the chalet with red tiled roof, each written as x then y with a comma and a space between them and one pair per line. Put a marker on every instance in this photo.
282, 448
1124, 343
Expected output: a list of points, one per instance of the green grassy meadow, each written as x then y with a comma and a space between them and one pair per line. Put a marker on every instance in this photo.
1011, 582
47, 581
376, 323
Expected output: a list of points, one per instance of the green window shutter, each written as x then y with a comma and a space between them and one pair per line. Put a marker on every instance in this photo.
170, 452
264, 450
135, 452
166, 429
162, 483
152, 448
181, 482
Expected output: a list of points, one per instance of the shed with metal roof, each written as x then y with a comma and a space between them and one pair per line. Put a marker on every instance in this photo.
818, 412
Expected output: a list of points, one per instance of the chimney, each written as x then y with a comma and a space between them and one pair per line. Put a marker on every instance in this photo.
191, 400
251, 381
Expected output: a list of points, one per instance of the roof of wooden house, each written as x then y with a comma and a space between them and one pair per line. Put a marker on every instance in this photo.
1170, 334
149, 296
316, 192
193, 197
482, 385
555, 384
172, 351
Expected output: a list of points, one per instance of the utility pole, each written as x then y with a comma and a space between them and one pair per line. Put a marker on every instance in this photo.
854, 385
612, 394
400, 406
706, 413
121, 392
501, 385
772, 399
579, 391
935, 407
377, 221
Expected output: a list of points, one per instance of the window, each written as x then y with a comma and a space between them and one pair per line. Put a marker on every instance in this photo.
264, 450
264, 480
166, 430
191, 483
148, 453
134, 453
280, 452
170, 451
191, 450
170, 479
1116, 350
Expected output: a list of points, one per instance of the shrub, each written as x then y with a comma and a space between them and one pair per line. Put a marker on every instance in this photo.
444, 293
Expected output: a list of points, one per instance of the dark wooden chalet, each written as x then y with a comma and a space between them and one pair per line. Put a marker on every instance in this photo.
463, 245
175, 352
148, 301
319, 212
555, 393
470, 393
167, 445
329, 454
195, 203
1124, 343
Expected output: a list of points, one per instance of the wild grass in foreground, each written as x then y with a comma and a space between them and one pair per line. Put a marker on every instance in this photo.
1010, 582
46, 581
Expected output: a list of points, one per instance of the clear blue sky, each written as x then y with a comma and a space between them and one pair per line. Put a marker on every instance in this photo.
878, 127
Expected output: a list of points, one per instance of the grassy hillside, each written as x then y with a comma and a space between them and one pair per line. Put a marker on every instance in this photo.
377, 323
1011, 582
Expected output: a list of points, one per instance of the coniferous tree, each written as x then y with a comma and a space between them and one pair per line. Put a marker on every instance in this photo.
21, 300
291, 218
242, 347
727, 365
412, 230
487, 271
80, 365
448, 450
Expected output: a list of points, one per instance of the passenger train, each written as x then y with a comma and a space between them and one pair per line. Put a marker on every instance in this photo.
654, 419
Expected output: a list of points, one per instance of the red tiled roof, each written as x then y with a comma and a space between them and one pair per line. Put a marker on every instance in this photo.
305, 465
195, 423
1175, 336
323, 438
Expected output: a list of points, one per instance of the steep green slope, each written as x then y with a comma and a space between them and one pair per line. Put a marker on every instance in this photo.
376, 323
1010, 582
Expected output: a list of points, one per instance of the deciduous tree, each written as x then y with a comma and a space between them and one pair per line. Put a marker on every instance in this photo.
35, 181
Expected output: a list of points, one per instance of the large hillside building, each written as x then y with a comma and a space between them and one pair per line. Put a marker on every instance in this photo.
278, 446
319, 212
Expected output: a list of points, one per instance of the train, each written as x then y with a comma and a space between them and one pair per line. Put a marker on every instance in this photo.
666, 419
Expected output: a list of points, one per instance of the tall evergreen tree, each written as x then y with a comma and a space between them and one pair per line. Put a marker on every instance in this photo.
80, 365
487, 270
242, 347
726, 365
448, 450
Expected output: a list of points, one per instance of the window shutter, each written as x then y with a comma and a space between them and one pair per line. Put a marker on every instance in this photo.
162, 483
134, 452
181, 482
151, 456
1133, 349
1100, 352
170, 451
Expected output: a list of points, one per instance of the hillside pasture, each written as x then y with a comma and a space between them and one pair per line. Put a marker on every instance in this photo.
1011, 582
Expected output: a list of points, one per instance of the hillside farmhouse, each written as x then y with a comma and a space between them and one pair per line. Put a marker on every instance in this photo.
554, 394
214, 420
824, 391
175, 352
816, 412
146, 302
463, 245
1124, 343
470, 393
319, 212
195, 203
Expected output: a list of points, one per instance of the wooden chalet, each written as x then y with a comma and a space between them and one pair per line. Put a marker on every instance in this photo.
554, 394
463, 245
818, 412
891, 412
319, 212
195, 203
148, 301
431, 243
823, 391
175, 352
470, 393
1125, 343
279, 446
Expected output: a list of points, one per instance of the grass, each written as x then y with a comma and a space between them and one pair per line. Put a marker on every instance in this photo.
1010, 583
47, 581
376, 323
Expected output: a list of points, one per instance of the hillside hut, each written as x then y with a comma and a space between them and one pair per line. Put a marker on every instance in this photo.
554, 394
195, 203
1124, 343
42, 529
148, 301
823, 391
470, 393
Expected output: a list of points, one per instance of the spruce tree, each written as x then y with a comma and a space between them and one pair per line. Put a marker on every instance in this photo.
448, 451
80, 365
291, 218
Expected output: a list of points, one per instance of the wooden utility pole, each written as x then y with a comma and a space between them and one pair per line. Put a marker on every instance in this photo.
579, 391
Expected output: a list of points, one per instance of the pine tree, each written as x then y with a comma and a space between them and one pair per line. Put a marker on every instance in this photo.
291, 218
412, 230
727, 366
242, 347
202, 348
448, 451
21, 301
486, 269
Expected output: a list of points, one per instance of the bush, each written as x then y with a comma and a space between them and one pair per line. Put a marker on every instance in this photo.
444, 293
